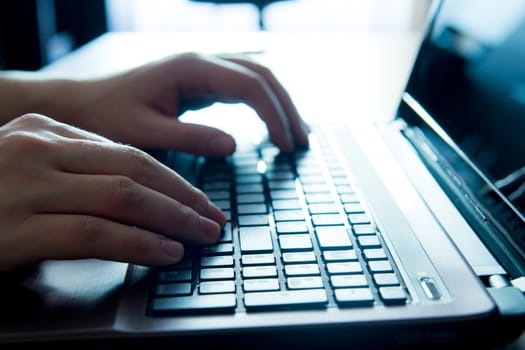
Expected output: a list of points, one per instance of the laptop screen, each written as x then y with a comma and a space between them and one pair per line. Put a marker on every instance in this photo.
469, 79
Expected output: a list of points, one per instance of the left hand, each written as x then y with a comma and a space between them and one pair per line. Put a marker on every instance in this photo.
140, 107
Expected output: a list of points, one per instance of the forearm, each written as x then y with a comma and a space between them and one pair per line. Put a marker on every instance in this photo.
22, 93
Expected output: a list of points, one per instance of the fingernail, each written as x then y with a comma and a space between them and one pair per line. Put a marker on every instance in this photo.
172, 248
222, 145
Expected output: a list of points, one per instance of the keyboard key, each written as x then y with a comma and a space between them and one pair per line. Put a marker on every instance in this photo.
299, 257
304, 297
248, 178
261, 284
393, 295
327, 219
290, 242
215, 287
173, 289
258, 208
216, 195
217, 249
175, 276
330, 237
339, 255
226, 233
250, 198
386, 279
223, 204
364, 229
219, 273
259, 271
358, 218
286, 204
374, 254
319, 198
215, 185
316, 188
255, 239
217, 260
257, 259
281, 184
194, 303
283, 194
339, 281
344, 267
304, 282
353, 296
291, 227
349, 198
301, 270
323, 208
352, 208
380, 266
253, 220
288, 215
368, 241
249, 188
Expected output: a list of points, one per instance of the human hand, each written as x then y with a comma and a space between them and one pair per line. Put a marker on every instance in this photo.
66, 193
139, 107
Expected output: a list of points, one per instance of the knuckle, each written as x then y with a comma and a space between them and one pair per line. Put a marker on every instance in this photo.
126, 193
190, 56
143, 164
91, 230
32, 119
24, 142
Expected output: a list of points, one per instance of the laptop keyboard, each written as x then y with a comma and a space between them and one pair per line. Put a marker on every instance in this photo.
298, 236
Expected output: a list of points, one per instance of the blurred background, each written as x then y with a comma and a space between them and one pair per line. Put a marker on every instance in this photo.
34, 33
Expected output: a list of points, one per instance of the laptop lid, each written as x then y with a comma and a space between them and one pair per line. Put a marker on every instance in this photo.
464, 106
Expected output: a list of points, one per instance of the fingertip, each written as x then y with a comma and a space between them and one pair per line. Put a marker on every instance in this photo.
173, 249
221, 145
216, 214
211, 229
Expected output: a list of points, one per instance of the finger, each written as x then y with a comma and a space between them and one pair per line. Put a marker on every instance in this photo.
170, 133
231, 82
115, 159
120, 199
300, 129
80, 236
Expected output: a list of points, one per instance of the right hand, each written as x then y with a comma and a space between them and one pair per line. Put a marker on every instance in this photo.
66, 193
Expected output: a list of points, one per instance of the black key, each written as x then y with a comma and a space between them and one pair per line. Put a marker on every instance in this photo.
175, 276
173, 289
195, 303
277, 299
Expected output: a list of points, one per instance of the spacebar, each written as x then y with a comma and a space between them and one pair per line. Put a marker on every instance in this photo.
306, 298
195, 303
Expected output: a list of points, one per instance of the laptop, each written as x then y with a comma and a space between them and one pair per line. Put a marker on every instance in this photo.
406, 232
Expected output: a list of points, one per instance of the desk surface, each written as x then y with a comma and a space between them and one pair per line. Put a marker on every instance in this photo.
359, 75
